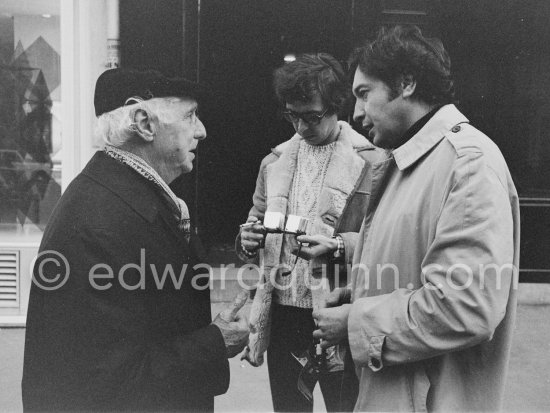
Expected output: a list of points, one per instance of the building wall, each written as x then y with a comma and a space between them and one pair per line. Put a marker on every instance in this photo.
499, 48
500, 54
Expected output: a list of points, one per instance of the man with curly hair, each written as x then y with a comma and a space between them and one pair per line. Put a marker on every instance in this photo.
433, 293
323, 174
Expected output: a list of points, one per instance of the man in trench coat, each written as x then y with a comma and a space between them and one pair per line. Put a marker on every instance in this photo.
433, 293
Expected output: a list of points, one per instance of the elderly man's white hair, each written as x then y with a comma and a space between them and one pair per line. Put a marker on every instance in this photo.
118, 126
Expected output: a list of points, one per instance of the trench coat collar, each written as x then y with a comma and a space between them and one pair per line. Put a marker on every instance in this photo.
427, 137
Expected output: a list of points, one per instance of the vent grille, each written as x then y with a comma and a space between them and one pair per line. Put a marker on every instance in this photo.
9, 278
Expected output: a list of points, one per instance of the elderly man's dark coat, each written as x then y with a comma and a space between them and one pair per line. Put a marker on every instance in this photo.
121, 340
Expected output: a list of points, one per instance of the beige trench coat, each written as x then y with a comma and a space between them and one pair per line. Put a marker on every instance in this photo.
435, 277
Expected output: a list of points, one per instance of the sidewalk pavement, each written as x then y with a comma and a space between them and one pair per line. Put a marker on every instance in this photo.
527, 390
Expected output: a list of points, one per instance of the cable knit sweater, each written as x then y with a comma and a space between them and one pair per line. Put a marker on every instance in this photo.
311, 169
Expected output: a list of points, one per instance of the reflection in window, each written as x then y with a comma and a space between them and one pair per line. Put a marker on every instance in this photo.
30, 140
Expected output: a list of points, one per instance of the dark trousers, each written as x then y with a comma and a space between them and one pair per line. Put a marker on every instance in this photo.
291, 331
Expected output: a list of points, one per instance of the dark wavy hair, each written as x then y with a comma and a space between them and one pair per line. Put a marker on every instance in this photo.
309, 74
400, 51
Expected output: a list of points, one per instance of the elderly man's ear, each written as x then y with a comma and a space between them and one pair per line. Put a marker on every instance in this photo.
145, 124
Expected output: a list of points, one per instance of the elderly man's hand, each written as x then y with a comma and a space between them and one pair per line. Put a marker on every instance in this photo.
318, 245
234, 327
332, 324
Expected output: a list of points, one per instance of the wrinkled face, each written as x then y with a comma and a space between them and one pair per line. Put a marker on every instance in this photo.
314, 134
379, 111
178, 134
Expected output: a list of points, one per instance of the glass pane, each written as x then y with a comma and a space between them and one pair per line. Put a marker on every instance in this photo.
30, 126
535, 238
501, 55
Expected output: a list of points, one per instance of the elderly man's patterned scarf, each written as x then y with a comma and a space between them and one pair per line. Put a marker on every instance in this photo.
144, 169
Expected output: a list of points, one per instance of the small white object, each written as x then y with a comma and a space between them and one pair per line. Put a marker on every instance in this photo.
274, 221
290, 57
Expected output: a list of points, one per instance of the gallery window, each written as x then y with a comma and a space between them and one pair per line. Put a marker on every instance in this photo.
30, 118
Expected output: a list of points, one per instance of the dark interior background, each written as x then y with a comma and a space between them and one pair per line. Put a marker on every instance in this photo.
500, 51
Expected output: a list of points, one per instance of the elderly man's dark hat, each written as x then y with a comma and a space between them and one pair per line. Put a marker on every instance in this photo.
114, 87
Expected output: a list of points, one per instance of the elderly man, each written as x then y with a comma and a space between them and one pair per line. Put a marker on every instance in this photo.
129, 326
433, 289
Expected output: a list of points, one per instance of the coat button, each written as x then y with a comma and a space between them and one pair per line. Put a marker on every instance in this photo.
456, 129
375, 363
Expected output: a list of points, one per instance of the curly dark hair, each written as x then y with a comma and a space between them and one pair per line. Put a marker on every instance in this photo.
400, 51
311, 74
